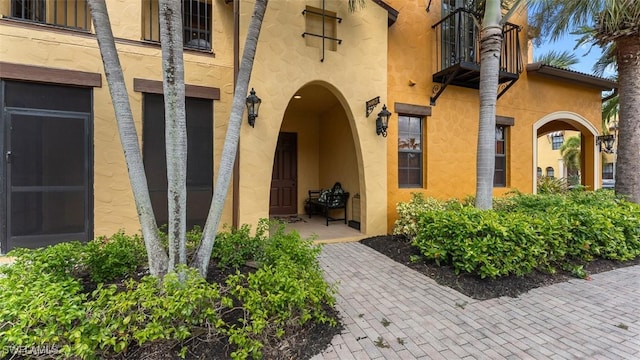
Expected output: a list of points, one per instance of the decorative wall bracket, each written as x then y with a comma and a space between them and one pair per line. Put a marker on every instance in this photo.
371, 104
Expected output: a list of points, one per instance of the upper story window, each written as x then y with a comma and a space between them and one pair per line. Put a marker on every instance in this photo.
556, 141
410, 133
64, 13
196, 23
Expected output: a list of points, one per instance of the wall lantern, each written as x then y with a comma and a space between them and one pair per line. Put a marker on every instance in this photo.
607, 141
253, 104
382, 122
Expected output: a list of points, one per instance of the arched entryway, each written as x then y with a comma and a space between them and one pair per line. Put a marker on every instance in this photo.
563, 121
315, 149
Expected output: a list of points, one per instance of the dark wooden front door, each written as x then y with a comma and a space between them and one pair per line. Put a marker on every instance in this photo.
284, 184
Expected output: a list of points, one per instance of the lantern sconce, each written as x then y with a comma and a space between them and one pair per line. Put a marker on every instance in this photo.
607, 141
382, 122
253, 105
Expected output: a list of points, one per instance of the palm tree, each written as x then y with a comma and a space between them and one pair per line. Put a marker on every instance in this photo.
490, 48
610, 24
570, 152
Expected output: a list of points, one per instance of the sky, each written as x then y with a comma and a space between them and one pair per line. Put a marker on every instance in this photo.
585, 53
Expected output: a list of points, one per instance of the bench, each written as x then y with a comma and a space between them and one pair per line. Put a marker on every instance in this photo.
323, 201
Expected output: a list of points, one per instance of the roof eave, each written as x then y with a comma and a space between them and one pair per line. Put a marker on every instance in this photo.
542, 69
393, 13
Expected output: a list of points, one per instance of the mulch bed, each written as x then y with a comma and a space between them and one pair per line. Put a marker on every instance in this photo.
400, 250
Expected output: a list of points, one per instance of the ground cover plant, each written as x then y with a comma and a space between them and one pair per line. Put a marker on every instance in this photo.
525, 242
96, 300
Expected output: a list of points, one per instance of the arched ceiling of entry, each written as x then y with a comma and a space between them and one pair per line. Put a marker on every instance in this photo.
557, 125
313, 99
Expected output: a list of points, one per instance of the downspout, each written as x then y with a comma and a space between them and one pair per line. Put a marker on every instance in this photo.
236, 67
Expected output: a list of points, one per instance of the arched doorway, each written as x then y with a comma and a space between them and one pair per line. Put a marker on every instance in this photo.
315, 149
564, 122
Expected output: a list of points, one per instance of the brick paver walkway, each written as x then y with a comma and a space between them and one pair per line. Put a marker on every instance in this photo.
392, 312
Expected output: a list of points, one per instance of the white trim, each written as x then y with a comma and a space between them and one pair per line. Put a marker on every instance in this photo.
565, 115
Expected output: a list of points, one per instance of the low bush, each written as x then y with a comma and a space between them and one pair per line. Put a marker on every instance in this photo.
552, 185
407, 222
45, 301
114, 257
529, 232
233, 248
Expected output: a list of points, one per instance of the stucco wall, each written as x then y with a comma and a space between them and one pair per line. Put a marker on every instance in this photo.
283, 65
31, 44
450, 135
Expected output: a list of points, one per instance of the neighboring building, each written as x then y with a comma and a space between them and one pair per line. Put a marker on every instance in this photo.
550, 162
317, 67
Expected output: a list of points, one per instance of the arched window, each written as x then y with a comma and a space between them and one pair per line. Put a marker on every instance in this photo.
550, 172
539, 171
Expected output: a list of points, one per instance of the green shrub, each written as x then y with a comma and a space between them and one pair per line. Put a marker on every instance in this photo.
44, 302
481, 242
531, 231
552, 185
65, 259
289, 247
288, 289
149, 310
408, 213
233, 248
114, 257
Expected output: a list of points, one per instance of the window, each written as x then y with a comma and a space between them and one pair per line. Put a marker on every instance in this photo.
196, 23
607, 171
550, 172
556, 141
539, 171
321, 28
65, 13
199, 158
409, 151
500, 173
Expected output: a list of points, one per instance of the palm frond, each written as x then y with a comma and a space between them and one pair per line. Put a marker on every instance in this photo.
561, 59
354, 5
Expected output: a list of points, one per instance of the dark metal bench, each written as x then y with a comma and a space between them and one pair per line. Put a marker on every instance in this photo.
323, 201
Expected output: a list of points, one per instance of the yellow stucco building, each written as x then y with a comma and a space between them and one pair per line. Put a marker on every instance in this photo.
323, 74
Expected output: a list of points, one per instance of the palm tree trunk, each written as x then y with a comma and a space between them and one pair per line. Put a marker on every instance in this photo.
175, 126
128, 136
203, 254
628, 161
490, 47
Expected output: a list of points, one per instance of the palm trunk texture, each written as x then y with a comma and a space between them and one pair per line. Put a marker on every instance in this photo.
628, 161
490, 47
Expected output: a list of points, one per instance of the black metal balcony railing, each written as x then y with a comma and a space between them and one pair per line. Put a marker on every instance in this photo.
64, 13
458, 52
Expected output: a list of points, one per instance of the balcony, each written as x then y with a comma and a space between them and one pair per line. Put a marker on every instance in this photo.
458, 52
